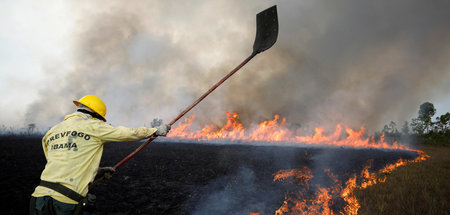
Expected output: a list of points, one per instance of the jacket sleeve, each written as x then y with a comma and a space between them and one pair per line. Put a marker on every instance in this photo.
108, 133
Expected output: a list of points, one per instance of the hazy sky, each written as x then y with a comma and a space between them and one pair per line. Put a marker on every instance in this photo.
350, 61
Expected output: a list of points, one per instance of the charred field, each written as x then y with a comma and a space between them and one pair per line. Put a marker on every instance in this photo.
191, 178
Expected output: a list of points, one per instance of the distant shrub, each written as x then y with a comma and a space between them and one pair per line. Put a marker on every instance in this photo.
22, 132
434, 138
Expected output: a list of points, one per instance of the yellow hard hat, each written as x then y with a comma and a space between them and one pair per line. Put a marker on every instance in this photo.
94, 103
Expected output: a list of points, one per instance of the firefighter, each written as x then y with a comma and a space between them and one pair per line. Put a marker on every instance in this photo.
73, 149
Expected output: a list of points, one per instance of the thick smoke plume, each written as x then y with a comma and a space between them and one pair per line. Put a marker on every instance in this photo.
353, 62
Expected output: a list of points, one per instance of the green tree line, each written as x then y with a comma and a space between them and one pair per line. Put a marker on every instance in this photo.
423, 128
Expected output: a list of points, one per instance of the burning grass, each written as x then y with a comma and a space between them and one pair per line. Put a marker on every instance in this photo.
242, 178
323, 200
417, 188
276, 132
337, 197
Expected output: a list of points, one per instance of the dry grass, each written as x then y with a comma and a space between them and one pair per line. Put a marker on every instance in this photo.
417, 188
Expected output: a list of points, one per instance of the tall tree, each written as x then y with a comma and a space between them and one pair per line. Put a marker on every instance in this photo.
417, 126
443, 121
31, 128
426, 111
393, 127
386, 129
405, 128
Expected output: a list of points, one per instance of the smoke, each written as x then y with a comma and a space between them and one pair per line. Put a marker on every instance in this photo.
353, 62
234, 194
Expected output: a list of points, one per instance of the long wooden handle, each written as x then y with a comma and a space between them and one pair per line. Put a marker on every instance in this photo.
213, 88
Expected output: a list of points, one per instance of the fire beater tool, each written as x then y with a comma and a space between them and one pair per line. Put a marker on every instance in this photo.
266, 36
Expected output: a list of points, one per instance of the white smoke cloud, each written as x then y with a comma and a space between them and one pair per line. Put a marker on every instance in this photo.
347, 62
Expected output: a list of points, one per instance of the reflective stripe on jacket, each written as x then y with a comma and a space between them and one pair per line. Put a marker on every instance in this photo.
73, 149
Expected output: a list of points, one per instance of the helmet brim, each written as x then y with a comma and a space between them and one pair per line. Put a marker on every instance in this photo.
76, 103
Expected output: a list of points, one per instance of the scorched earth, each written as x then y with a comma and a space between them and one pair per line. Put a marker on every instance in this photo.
184, 178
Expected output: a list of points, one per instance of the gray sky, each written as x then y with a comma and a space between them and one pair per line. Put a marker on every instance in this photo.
350, 61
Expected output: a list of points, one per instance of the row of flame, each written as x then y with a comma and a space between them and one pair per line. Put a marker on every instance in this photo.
276, 132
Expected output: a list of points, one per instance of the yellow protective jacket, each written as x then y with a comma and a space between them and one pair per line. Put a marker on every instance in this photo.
73, 149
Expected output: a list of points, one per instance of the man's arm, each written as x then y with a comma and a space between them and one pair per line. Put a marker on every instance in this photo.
108, 133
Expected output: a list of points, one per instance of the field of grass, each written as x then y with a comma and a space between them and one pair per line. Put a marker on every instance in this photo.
417, 188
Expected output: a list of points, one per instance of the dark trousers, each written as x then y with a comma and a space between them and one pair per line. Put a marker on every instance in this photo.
46, 205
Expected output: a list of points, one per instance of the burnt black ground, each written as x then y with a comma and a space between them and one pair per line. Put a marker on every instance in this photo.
183, 178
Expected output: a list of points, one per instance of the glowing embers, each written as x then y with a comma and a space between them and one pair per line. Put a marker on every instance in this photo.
304, 200
336, 197
276, 131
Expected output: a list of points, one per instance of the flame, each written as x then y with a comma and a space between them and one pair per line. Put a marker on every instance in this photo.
301, 201
323, 198
275, 131
292, 203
